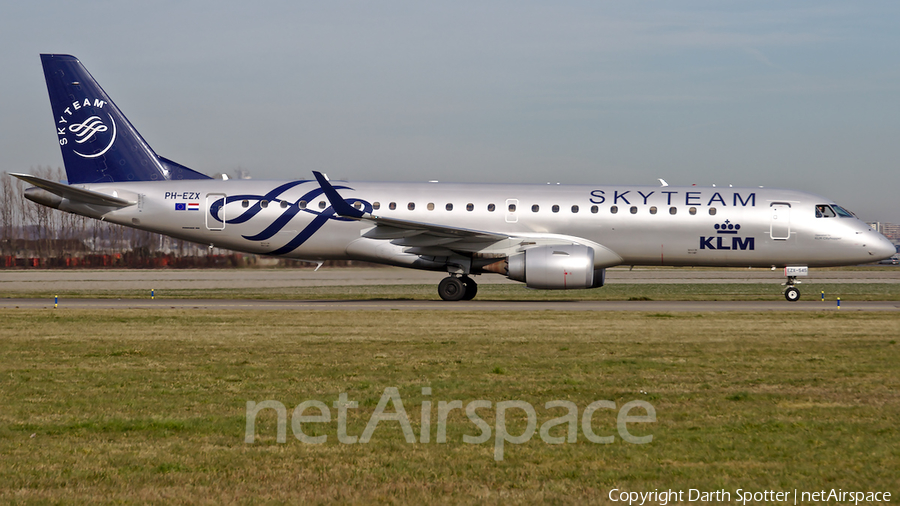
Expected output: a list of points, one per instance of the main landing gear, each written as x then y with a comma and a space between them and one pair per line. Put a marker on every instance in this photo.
791, 292
457, 288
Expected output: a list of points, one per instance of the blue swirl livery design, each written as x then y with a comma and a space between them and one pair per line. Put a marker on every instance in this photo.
293, 208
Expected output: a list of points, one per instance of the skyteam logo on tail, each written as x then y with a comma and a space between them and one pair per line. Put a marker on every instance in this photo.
720, 242
89, 129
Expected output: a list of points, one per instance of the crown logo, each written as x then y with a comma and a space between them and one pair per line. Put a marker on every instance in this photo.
727, 228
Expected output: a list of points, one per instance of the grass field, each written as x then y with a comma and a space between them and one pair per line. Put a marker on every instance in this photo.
140, 405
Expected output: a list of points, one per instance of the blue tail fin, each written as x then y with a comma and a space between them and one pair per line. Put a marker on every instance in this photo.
97, 141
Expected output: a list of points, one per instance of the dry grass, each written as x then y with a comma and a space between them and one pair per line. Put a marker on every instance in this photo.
139, 406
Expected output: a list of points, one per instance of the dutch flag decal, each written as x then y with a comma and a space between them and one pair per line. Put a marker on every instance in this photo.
193, 206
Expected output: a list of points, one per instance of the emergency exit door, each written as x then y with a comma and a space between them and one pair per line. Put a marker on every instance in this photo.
780, 229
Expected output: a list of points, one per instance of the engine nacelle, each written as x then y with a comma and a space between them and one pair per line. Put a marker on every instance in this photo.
556, 267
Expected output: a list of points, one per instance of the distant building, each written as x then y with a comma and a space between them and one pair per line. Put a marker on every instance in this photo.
889, 230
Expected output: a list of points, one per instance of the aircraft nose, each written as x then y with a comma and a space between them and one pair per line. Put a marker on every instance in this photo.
882, 249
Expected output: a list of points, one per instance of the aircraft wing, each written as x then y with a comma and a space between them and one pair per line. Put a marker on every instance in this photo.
391, 228
440, 240
74, 193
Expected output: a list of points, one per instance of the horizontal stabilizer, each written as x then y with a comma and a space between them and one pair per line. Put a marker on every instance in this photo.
74, 193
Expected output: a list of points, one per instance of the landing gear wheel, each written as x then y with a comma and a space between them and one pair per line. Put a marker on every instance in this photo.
452, 288
471, 288
792, 294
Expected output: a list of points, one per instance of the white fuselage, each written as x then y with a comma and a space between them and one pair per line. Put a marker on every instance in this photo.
699, 226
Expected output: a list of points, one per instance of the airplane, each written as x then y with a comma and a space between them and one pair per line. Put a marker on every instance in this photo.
552, 237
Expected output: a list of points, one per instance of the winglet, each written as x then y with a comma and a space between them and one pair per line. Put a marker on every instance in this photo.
340, 206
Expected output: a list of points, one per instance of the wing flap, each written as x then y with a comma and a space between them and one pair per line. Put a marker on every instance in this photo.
388, 233
435, 230
424, 240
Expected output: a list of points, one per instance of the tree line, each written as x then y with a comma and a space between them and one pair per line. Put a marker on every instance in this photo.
33, 235
49, 237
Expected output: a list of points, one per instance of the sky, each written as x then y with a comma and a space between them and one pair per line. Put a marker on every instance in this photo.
800, 95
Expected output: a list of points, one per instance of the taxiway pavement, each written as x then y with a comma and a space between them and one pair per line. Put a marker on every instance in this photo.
32, 280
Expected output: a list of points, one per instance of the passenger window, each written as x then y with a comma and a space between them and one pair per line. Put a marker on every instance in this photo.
392, 206
652, 209
357, 205
594, 209
535, 208
431, 206
693, 211
470, 207
301, 204
633, 209
512, 208
449, 207
245, 203
574, 209
712, 211
284, 204
263, 204
555, 208
411, 206
322, 204
673, 210
613, 209
376, 205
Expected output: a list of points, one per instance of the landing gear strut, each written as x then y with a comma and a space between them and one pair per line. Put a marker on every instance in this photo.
791, 293
457, 288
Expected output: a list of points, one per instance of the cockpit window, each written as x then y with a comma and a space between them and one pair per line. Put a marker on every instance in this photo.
824, 211
843, 213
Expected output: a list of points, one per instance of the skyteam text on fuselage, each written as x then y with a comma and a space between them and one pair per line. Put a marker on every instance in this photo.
546, 236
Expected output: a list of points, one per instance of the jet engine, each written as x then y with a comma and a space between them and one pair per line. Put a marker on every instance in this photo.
556, 267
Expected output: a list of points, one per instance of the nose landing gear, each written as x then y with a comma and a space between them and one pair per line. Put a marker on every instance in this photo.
791, 292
